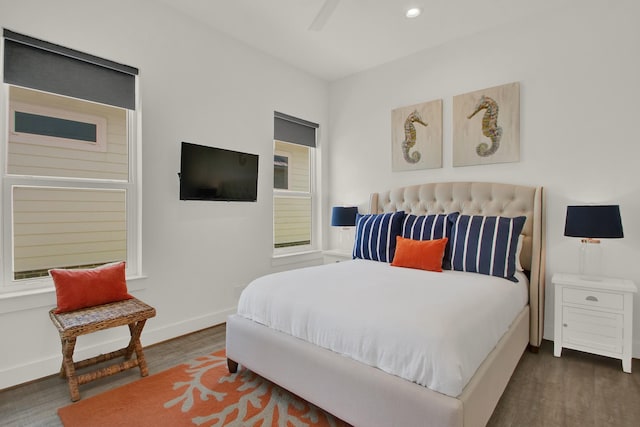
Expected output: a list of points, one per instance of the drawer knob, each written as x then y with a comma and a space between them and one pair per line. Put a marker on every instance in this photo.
565, 325
591, 298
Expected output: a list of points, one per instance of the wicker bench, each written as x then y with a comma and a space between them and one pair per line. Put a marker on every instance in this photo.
70, 325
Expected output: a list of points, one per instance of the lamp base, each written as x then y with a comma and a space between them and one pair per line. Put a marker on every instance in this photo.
590, 258
345, 237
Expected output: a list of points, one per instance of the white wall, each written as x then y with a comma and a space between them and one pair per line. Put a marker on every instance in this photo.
198, 86
579, 75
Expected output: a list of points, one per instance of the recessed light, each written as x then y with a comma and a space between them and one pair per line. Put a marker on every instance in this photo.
414, 12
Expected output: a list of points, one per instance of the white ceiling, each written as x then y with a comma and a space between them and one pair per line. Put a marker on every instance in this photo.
359, 34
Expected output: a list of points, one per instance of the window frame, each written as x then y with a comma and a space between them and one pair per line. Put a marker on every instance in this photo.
132, 187
312, 194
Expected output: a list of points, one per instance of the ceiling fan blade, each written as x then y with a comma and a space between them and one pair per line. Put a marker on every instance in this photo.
323, 15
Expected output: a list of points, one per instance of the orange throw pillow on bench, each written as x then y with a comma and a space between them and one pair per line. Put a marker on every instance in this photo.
420, 254
82, 288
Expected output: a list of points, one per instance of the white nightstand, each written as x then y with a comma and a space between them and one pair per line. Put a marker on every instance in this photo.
336, 255
594, 315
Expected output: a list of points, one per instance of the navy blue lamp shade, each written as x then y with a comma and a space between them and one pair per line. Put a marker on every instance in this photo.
342, 216
597, 221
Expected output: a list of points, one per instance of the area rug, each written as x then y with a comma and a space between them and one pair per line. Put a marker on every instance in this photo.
201, 393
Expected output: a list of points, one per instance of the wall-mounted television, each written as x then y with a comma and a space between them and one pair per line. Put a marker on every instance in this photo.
209, 173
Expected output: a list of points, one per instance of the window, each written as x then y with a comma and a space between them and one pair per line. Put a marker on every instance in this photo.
35, 124
293, 184
70, 196
292, 197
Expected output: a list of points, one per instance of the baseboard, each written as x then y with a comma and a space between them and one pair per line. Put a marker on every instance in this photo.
154, 336
50, 365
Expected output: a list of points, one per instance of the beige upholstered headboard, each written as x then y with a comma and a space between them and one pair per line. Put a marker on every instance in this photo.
483, 198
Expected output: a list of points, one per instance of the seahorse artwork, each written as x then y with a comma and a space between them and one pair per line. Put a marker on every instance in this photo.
490, 127
410, 137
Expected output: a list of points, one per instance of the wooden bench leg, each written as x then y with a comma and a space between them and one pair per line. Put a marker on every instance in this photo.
68, 367
135, 345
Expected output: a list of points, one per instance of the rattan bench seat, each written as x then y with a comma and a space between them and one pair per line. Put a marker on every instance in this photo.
132, 312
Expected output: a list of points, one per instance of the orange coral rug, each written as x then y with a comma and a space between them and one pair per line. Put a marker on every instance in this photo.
202, 393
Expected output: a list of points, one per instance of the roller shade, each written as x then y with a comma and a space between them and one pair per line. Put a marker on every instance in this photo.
291, 129
45, 66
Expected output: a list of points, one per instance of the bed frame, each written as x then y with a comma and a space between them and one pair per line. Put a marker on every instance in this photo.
366, 396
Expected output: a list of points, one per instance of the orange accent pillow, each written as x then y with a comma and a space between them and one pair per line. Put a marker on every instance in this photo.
420, 254
82, 288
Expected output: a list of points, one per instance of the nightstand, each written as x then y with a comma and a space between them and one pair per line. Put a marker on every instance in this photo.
594, 314
336, 255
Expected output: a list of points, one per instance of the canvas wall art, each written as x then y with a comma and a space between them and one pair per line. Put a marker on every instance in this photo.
486, 126
416, 141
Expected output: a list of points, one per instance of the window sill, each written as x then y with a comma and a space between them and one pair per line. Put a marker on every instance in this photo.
46, 297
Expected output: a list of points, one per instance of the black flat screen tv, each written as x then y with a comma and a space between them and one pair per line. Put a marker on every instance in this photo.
209, 173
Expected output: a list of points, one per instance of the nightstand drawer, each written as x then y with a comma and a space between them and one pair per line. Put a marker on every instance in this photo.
593, 298
330, 259
334, 255
594, 329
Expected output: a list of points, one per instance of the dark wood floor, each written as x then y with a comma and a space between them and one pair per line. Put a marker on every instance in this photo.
579, 389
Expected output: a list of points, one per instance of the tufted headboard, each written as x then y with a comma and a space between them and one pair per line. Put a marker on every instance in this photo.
483, 198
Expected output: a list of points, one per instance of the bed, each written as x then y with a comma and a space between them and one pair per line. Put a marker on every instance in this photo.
364, 395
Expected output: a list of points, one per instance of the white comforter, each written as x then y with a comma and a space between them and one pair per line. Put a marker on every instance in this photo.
431, 328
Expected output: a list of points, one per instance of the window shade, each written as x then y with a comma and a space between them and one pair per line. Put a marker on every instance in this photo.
296, 131
45, 66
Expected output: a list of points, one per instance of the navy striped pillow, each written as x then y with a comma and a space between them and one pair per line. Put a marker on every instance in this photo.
376, 236
486, 244
430, 227
425, 227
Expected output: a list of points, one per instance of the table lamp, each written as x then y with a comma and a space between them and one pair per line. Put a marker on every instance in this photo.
591, 223
344, 217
